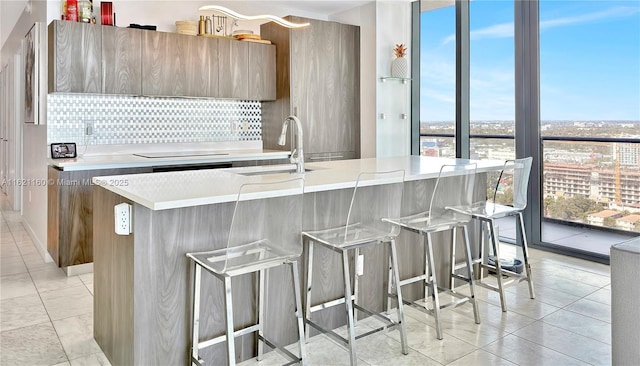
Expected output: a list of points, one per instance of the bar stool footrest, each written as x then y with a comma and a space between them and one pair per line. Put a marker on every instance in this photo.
462, 299
390, 325
223, 338
281, 350
198, 361
415, 279
328, 304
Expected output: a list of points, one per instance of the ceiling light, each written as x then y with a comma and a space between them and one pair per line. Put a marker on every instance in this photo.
233, 14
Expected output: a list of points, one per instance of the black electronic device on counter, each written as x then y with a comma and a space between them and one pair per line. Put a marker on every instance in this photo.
63, 150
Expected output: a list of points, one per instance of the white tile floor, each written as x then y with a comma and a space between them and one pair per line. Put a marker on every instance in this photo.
46, 318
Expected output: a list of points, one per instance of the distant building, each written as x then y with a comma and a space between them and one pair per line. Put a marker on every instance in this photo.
569, 180
628, 222
429, 148
599, 217
627, 153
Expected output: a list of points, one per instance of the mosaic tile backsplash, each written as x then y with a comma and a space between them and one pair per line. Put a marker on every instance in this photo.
140, 120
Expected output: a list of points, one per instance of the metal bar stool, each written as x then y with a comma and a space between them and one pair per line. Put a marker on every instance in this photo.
454, 187
254, 251
376, 195
514, 175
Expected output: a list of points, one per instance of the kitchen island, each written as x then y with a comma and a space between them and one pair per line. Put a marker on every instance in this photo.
70, 203
142, 281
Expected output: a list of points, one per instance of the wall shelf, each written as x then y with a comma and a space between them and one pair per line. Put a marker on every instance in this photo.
403, 80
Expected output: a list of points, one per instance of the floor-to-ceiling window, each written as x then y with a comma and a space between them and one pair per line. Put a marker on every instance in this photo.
590, 117
587, 123
492, 80
437, 81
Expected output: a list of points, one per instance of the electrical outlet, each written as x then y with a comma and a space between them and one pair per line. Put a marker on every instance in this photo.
88, 128
360, 265
123, 218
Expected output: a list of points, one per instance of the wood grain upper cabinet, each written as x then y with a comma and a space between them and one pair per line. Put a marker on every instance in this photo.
179, 65
233, 58
121, 60
318, 80
75, 57
262, 72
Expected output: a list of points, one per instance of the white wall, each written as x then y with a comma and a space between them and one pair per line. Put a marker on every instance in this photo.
393, 137
9, 13
383, 24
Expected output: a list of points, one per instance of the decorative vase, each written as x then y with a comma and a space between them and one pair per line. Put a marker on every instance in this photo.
399, 67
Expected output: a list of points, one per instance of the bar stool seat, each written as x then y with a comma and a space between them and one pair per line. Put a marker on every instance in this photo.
364, 227
254, 250
450, 190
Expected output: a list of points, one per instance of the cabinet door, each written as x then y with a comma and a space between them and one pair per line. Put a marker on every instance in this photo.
121, 60
233, 58
262, 71
177, 65
325, 85
74, 57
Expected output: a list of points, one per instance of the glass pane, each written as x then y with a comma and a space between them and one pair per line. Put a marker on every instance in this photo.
492, 70
437, 78
589, 88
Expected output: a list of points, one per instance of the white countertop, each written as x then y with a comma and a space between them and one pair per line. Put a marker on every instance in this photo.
162, 191
183, 157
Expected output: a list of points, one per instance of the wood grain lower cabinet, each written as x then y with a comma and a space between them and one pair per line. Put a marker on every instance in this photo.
179, 65
70, 213
75, 57
121, 60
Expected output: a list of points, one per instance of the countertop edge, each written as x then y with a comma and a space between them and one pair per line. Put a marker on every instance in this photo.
141, 162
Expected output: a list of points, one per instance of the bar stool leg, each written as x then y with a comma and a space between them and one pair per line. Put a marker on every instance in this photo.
396, 275
467, 248
483, 232
309, 266
390, 280
195, 315
260, 309
525, 256
349, 305
452, 259
434, 286
355, 282
427, 279
231, 347
496, 253
296, 292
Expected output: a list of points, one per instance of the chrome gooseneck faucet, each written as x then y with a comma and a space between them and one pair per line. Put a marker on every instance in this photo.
297, 151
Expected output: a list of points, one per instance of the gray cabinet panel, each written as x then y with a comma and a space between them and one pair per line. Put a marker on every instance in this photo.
122, 60
177, 65
318, 80
74, 57
262, 71
233, 58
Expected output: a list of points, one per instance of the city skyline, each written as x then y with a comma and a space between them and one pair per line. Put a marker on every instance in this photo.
590, 69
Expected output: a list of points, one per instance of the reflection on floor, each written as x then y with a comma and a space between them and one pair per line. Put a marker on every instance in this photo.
586, 239
46, 318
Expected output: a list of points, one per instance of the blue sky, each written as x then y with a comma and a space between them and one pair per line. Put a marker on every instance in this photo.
589, 56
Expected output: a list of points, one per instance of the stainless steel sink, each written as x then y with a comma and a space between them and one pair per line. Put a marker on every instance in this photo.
275, 171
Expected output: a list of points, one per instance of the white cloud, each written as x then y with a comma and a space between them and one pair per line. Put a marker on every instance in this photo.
617, 12
505, 30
